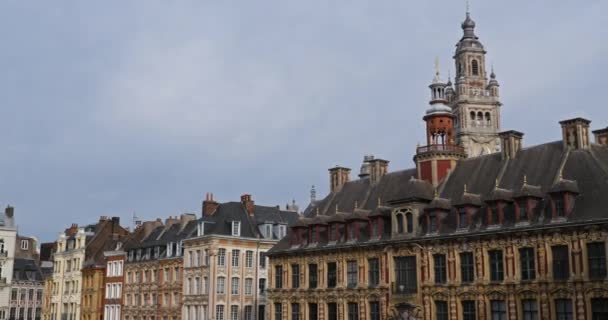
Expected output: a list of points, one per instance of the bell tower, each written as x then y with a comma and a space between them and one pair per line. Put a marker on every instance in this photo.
475, 102
439, 156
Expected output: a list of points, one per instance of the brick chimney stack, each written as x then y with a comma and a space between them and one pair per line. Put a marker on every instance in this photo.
209, 205
601, 136
575, 133
378, 168
338, 176
510, 143
248, 204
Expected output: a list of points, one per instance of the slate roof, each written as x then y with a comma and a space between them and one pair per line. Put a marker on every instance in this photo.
547, 168
26, 270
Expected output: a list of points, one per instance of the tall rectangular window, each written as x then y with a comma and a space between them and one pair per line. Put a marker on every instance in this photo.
440, 268
278, 277
561, 267
248, 286
432, 222
563, 309
234, 312
498, 310
262, 285
332, 311
278, 311
496, 265
236, 254
467, 267
559, 206
596, 258
405, 272
235, 286
312, 276
236, 228
219, 312
462, 218
373, 272
529, 309
374, 310
249, 259
331, 275
599, 309
526, 258
221, 257
295, 276
221, 283
353, 311
441, 310
248, 313
468, 310
295, 311
313, 311
351, 274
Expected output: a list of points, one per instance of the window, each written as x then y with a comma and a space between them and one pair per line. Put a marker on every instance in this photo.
462, 217
295, 276
333, 232
526, 258
295, 311
331, 275
474, 67
249, 259
352, 231
558, 202
468, 310
399, 223
249, 286
221, 283
278, 277
563, 309
353, 311
248, 313
441, 310
467, 267
351, 273
219, 312
234, 285
262, 261
596, 258
262, 285
432, 222
494, 219
332, 311
523, 209
561, 268
312, 275
313, 311
375, 228
496, 266
236, 228
405, 272
374, 271
498, 310
410, 222
529, 309
25, 244
221, 257
440, 268
234, 312
278, 311
235, 257
374, 310
599, 309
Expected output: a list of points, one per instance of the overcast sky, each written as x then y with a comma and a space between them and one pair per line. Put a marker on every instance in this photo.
115, 107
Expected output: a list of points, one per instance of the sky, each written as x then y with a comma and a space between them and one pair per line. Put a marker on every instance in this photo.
115, 108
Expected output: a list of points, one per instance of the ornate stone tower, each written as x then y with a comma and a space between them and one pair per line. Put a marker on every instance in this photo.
435, 160
474, 101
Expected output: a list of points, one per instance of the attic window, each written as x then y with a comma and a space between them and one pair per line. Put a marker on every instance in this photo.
236, 228
25, 244
462, 217
282, 231
558, 203
522, 207
432, 222
494, 219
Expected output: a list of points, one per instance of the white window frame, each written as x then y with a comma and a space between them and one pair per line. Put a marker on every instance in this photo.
25, 244
236, 228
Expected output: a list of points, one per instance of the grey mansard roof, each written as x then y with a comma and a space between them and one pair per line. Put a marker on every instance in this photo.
545, 168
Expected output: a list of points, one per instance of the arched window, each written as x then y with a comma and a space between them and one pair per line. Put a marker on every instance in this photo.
459, 69
488, 119
399, 223
479, 118
410, 222
474, 67
472, 115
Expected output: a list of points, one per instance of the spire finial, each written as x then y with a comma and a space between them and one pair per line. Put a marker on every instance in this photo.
379, 201
467, 4
356, 204
525, 179
336, 208
465, 188
436, 79
496, 184
313, 194
561, 174
436, 194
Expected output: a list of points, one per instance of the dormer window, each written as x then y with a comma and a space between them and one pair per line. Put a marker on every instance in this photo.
333, 232
156, 252
24, 244
148, 253
462, 218
282, 231
236, 228
432, 222
494, 215
375, 227
558, 203
409, 219
201, 229
399, 223
522, 210
138, 255
352, 231
169, 249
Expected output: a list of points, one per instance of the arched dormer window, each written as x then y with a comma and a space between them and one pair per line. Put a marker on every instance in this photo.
462, 218
433, 225
399, 223
475, 67
410, 222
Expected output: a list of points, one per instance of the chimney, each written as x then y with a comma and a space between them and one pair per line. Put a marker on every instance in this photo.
209, 205
185, 218
248, 204
575, 133
9, 211
149, 226
365, 170
171, 221
377, 168
338, 176
72, 230
510, 143
601, 136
